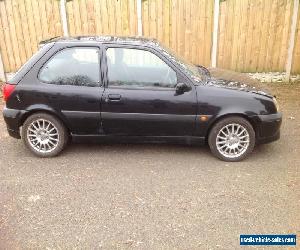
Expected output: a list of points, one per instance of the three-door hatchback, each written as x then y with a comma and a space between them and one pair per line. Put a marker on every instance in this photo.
129, 89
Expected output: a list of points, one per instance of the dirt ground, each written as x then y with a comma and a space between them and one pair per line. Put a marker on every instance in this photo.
150, 196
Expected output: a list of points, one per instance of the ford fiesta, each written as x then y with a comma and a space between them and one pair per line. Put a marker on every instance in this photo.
128, 89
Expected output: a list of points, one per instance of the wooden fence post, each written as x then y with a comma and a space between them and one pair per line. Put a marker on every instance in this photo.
63, 17
139, 17
2, 73
215, 34
288, 66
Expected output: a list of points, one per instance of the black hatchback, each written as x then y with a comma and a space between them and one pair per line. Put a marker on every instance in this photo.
129, 89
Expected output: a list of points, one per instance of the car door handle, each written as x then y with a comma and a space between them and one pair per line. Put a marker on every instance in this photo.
113, 98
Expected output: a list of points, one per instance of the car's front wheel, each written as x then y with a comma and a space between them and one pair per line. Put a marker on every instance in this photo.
44, 135
232, 139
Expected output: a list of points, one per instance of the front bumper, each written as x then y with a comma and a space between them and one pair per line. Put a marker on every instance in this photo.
13, 119
268, 128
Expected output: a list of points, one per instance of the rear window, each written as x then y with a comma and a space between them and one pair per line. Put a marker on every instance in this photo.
73, 66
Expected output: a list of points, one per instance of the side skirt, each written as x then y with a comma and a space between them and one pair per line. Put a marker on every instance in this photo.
190, 140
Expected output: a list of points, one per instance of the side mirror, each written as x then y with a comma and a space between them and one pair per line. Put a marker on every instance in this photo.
181, 88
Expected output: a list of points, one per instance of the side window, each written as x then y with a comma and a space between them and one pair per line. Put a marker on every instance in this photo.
73, 66
138, 68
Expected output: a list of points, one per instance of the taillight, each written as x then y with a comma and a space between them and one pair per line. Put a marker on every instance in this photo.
7, 90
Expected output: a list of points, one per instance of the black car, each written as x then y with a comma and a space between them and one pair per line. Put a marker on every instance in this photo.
134, 90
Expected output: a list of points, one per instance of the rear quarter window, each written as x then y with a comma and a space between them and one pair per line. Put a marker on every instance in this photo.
77, 66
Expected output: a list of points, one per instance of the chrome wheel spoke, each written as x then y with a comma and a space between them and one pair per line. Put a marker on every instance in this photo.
247, 141
53, 134
243, 130
50, 142
32, 130
238, 128
221, 137
222, 132
47, 127
51, 129
227, 129
35, 127
39, 124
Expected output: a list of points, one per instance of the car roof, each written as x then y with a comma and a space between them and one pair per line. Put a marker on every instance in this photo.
134, 40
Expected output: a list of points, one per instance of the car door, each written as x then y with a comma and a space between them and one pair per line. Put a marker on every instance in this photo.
139, 97
68, 82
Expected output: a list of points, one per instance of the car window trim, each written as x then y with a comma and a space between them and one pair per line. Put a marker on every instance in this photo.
100, 55
142, 88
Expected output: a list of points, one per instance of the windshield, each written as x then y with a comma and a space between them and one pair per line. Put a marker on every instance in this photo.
191, 69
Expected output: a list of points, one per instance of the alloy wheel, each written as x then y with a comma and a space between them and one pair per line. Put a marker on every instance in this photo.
232, 140
43, 135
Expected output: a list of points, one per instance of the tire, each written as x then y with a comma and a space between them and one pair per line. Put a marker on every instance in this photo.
44, 135
229, 146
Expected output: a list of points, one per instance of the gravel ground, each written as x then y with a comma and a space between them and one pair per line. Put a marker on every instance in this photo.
150, 196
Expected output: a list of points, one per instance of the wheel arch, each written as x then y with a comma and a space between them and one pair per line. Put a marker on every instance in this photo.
46, 111
221, 117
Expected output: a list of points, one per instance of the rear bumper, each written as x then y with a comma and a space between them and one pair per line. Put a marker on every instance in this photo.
13, 119
268, 128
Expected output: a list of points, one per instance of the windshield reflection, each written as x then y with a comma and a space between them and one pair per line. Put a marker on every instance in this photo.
194, 71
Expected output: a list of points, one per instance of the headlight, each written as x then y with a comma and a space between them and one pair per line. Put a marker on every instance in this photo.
276, 104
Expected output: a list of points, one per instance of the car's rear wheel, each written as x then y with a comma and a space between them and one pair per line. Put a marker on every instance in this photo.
44, 135
232, 139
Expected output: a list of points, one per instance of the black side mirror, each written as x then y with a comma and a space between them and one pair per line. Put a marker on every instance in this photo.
181, 88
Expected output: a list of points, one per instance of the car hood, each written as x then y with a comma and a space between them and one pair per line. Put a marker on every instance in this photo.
233, 80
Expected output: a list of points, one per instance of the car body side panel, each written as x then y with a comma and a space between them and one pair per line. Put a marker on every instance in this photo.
215, 102
149, 112
77, 106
